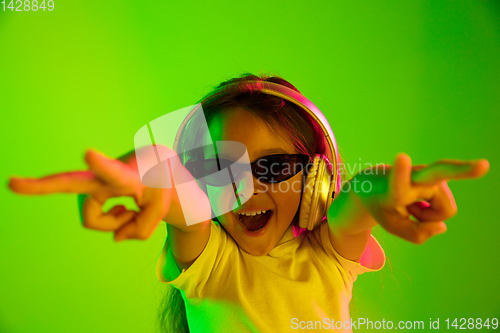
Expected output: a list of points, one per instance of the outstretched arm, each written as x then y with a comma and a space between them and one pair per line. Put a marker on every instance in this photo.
392, 196
107, 178
187, 242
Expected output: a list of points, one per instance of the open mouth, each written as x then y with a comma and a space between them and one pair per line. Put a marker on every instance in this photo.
256, 222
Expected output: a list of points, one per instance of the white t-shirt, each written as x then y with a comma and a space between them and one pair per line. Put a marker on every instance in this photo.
303, 279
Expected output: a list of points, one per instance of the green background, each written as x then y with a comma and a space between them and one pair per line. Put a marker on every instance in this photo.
419, 77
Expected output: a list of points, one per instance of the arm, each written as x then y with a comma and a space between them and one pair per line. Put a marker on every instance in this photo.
349, 222
187, 242
408, 201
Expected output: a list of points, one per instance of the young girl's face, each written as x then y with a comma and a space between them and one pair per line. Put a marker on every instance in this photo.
283, 199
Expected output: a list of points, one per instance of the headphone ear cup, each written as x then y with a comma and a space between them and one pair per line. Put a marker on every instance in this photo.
315, 195
307, 202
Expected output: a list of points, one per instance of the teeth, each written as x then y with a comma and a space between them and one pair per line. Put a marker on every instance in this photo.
254, 213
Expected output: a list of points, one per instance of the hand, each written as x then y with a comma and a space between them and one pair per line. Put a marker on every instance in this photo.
106, 178
420, 191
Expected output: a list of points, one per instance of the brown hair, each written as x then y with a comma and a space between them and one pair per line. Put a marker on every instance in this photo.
306, 134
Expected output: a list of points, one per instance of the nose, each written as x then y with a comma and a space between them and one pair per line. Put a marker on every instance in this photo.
247, 185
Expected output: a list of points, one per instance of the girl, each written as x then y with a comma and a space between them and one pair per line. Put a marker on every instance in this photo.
240, 273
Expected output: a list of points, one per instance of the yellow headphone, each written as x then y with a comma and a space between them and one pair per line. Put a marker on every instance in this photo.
321, 183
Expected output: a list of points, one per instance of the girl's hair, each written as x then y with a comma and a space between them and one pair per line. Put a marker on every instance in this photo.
306, 134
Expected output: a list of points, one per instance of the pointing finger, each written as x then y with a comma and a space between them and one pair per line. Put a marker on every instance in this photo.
447, 169
419, 167
67, 182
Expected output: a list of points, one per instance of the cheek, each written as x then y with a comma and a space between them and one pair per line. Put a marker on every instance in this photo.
287, 195
222, 199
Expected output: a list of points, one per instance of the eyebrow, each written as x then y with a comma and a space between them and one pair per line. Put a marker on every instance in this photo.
274, 150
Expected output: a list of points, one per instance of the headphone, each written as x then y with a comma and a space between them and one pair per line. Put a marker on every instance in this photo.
323, 179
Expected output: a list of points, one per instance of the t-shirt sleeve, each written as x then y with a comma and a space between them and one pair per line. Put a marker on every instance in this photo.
192, 280
372, 259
